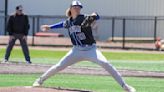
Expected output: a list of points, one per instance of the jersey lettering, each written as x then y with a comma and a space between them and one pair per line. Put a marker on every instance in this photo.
75, 29
81, 36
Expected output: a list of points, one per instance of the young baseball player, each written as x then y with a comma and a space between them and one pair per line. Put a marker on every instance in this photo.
84, 45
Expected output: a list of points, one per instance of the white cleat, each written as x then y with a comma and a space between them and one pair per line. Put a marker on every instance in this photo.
5, 61
28, 62
37, 83
128, 88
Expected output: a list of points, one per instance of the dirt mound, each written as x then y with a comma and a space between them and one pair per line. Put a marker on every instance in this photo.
32, 89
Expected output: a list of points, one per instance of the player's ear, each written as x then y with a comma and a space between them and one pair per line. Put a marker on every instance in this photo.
68, 12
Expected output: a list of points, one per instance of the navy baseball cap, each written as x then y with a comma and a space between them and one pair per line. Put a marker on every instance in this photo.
19, 7
76, 3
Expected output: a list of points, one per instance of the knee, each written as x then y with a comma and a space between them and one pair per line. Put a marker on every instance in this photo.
59, 67
23, 43
106, 64
12, 41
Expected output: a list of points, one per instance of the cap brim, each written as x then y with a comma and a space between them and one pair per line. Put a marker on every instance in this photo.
77, 5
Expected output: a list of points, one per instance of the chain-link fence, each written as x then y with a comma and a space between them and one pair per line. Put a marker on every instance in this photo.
121, 32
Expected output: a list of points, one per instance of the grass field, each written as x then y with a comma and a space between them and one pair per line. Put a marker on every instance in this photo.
121, 60
85, 82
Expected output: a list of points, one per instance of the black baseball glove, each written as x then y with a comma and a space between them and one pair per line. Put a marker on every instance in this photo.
88, 21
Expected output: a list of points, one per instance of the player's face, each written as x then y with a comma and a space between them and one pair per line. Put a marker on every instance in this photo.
75, 10
19, 12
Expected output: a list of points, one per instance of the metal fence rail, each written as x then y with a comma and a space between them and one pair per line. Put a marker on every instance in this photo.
129, 32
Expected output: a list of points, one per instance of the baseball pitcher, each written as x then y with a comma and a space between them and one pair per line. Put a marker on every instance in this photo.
84, 45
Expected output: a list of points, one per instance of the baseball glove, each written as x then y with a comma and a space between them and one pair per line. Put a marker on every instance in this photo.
88, 21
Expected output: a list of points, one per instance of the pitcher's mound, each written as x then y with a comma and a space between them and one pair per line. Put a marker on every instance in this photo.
32, 89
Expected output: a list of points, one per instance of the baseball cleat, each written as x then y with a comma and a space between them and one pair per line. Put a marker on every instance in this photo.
28, 62
37, 83
5, 61
128, 88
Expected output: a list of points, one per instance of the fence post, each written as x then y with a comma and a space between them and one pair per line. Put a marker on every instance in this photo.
113, 28
123, 33
155, 28
6, 15
38, 22
33, 31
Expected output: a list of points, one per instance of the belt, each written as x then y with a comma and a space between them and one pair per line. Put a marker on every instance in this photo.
85, 47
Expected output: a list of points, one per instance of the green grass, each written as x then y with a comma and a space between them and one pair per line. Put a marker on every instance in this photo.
84, 82
121, 60
17, 53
